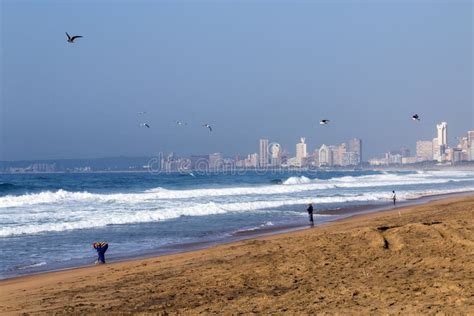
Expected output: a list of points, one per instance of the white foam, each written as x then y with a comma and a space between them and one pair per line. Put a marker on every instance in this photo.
291, 185
62, 210
297, 180
71, 217
34, 265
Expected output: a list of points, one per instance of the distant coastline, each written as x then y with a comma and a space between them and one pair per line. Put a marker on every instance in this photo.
141, 165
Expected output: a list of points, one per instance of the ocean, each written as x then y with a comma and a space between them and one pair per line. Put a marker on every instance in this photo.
49, 221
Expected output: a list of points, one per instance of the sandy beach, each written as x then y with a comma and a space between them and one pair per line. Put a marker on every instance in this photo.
415, 259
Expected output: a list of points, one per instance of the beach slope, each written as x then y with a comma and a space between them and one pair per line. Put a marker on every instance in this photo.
418, 259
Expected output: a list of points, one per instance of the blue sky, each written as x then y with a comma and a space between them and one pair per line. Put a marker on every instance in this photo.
250, 68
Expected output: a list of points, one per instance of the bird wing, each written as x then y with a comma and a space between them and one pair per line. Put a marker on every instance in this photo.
69, 37
210, 128
75, 36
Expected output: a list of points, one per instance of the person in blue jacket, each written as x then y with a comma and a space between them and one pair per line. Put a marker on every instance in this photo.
101, 248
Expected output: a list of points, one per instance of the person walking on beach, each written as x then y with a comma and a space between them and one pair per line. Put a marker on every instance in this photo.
101, 248
394, 197
310, 213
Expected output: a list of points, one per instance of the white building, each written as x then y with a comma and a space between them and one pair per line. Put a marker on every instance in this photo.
355, 145
275, 150
325, 156
301, 153
442, 141
442, 134
470, 145
263, 163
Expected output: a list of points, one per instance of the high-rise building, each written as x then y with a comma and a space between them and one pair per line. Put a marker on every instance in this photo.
301, 152
325, 156
263, 163
334, 154
275, 150
355, 145
470, 145
341, 151
424, 150
442, 134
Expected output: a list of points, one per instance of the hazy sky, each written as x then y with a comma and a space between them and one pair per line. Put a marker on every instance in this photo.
250, 68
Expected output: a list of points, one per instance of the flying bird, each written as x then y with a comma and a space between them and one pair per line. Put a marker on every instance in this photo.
71, 39
415, 117
208, 126
324, 122
179, 123
145, 125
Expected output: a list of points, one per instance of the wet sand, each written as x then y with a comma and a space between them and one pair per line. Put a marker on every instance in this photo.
415, 259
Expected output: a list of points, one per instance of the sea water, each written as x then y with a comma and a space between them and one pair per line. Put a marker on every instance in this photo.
48, 221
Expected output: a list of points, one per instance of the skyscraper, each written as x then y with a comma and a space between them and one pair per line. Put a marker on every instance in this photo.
442, 140
341, 152
325, 156
470, 145
334, 155
275, 150
263, 163
301, 152
355, 145
442, 134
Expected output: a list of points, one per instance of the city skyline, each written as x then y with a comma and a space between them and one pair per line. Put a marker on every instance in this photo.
346, 153
246, 70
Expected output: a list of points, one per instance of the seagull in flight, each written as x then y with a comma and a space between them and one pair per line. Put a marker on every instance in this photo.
415, 117
145, 125
324, 122
208, 126
71, 39
179, 123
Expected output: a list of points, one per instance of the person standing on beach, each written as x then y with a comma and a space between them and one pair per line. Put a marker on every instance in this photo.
101, 248
310, 213
394, 197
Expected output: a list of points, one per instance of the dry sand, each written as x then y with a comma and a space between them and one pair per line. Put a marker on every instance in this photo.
419, 262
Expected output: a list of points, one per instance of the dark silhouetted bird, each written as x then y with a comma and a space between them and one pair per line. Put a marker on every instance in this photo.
324, 122
71, 39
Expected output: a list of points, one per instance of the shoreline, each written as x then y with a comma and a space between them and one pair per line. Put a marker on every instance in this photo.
253, 233
259, 232
413, 259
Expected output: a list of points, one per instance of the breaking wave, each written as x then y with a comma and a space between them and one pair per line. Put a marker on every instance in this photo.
291, 185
